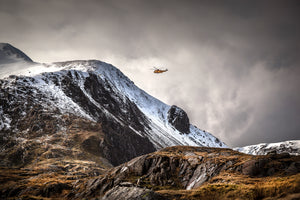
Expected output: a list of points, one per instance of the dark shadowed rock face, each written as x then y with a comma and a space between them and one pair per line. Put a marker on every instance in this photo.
179, 119
269, 165
122, 144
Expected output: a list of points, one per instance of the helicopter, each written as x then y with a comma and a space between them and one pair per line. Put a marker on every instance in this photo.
158, 71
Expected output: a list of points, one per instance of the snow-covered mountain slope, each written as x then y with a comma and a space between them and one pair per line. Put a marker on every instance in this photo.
84, 75
98, 92
291, 147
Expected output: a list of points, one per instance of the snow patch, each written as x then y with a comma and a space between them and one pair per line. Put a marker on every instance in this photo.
4, 121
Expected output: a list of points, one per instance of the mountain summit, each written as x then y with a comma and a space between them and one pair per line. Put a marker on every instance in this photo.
13, 60
10, 54
44, 105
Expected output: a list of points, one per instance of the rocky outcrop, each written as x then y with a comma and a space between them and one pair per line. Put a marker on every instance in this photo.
159, 175
188, 168
179, 119
269, 165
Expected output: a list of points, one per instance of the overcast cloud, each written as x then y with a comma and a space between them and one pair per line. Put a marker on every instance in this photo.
233, 65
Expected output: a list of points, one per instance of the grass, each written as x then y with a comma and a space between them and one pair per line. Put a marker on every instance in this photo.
260, 188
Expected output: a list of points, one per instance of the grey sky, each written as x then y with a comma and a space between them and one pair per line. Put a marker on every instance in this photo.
233, 65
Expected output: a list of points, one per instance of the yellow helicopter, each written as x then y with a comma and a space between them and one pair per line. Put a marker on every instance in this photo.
158, 71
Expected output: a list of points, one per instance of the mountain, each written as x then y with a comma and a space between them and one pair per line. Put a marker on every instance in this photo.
10, 54
88, 107
292, 147
13, 60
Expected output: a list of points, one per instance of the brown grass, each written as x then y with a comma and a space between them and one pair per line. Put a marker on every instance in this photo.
252, 189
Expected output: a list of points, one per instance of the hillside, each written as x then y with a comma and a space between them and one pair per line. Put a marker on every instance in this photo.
200, 173
179, 172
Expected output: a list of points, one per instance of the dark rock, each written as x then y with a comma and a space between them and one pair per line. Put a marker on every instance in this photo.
272, 152
179, 119
14, 191
92, 145
122, 144
270, 171
293, 168
250, 168
255, 167
284, 155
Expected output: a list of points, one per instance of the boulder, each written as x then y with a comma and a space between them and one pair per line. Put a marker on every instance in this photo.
179, 119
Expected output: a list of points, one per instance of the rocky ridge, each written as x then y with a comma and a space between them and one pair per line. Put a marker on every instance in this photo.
179, 172
188, 168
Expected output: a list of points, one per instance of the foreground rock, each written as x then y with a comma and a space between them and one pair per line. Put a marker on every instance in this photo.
188, 168
172, 173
